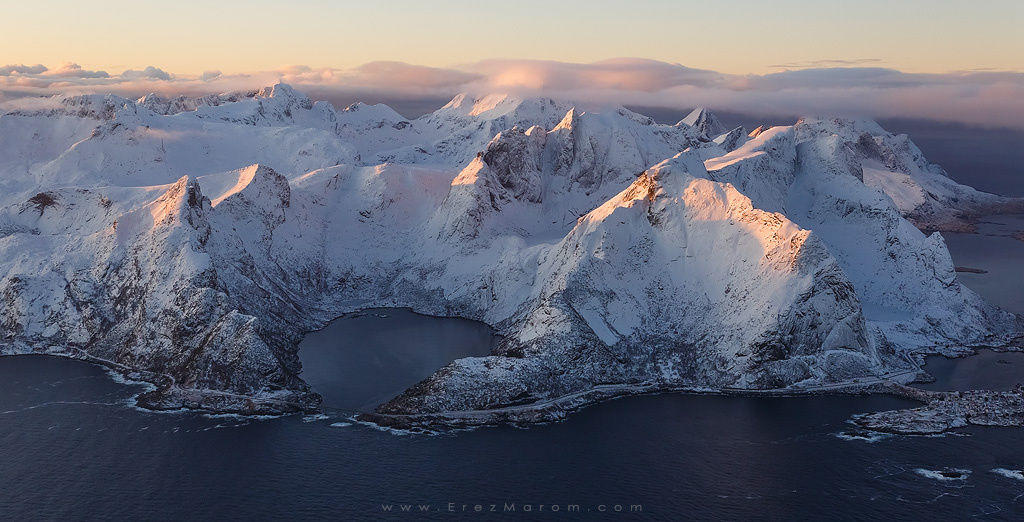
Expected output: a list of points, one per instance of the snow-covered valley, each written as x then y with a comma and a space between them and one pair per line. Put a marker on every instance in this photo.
192, 242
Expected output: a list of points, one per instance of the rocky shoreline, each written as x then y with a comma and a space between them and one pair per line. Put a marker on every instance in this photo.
941, 411
944, 411
553, 410
165, 395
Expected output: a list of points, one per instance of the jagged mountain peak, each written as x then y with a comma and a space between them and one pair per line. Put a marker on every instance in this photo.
87, 106
567, 230
381, 111
688, 162
729, 141
569, 121
496, 105
693, 116
280, 90
182, 194
151, 97
705, 122
219, 187
181, 203
757, 131
160, 104
459, 101
280, 94
488, 105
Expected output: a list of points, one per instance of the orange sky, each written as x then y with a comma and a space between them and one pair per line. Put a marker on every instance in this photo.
741, 36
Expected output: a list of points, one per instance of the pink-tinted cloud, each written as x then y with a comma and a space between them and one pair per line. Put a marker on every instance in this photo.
626, 74
976, 97
855, 62
390, 74
149, 73
12, 69
73, 70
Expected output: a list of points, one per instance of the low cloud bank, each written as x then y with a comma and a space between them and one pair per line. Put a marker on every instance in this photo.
823, 87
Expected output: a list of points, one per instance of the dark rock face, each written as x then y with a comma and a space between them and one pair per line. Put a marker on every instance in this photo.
971, 270
513, 157
42, 200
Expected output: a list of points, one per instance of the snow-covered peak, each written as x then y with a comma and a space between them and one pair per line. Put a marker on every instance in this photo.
729, 141
162, 105
280, 90
98, 106
486, 106
847, 128
704, 122
219, 187
258, 192
181, 204
91, 106
498, 106
893, 164
687, 162
377, 112
756, 146
779, 261
274, 105
568, 122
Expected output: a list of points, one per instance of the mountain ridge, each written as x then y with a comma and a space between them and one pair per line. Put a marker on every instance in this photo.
607, 249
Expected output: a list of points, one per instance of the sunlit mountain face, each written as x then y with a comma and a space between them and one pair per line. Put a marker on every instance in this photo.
198, 238
753, 261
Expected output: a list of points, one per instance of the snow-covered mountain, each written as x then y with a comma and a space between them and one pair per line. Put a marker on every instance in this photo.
193, 241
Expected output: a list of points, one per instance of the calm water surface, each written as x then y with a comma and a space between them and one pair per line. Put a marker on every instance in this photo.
367, 358
988, 370
75, 448
993, 249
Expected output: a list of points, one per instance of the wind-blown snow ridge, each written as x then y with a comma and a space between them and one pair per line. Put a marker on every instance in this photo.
195, 240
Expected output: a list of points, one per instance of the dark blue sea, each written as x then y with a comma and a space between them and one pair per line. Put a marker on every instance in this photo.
74, 448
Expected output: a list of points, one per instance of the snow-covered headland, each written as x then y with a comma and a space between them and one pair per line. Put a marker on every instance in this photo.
196, 240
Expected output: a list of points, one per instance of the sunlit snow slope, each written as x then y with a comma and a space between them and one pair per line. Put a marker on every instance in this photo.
191, 242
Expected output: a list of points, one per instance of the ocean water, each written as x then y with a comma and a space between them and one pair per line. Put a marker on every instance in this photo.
369, 357
995, 250
74, 447
988, 370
